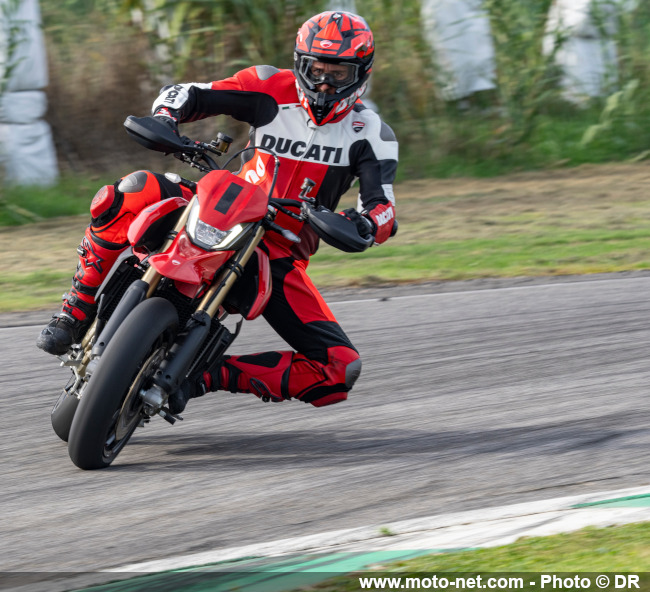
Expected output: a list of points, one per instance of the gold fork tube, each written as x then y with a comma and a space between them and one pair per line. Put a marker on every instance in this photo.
217, 293
86, 343
151, 276
89, 335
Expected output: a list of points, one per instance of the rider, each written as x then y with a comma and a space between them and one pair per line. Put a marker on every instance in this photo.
313, 119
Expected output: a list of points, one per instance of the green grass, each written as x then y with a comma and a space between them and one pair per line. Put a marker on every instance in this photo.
69, 197
556, 252
581, 221
592, 550
33, 290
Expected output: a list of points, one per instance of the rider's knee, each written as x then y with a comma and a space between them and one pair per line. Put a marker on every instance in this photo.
344, 369
344, 366
106, 205
130, 194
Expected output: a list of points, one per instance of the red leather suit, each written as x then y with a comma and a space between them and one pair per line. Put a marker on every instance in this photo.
356, 145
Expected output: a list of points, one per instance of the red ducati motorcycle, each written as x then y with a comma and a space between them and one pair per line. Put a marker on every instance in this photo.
162, 306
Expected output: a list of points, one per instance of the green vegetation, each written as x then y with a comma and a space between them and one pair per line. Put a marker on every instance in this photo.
488, 227
70, 197
524, 125
592, 550
591, 219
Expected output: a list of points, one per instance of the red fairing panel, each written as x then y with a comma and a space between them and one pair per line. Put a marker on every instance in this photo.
227, 200
152, 214
263, 285
187, 263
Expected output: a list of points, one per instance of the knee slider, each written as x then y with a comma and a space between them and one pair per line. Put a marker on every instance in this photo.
106, 206
134, 183
102, 201
352, 372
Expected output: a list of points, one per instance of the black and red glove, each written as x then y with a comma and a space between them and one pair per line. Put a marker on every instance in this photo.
365, 227
382, 217
169, 117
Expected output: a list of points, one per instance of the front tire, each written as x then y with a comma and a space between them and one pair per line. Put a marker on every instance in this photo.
111, 408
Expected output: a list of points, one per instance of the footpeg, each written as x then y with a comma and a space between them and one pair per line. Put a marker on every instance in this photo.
168, 416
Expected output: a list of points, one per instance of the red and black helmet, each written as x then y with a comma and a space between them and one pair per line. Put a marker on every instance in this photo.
344, 40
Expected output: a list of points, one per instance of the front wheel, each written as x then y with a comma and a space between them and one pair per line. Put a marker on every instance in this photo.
111, 408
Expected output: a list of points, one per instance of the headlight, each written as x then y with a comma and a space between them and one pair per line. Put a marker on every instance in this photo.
208, 237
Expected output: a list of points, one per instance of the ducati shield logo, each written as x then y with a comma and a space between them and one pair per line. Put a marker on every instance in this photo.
357, 126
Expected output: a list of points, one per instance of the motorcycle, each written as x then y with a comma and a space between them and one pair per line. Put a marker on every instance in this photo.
162, 306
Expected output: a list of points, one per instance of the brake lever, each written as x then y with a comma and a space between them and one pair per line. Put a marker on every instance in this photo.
270, 225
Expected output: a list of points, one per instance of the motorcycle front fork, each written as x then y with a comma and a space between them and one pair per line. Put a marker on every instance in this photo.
189, 342
78, 361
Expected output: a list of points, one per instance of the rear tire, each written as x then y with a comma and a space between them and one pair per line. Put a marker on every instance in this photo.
63, 413
111, 408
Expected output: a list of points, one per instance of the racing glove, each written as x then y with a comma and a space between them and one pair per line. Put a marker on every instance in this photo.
169, 117
382, 217
365, 227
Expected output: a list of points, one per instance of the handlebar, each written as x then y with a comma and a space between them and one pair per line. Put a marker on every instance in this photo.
333, 228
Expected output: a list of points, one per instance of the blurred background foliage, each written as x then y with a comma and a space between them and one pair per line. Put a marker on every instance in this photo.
109, 58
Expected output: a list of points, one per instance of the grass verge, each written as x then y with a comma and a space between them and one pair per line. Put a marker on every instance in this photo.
69, 197
591, 550
591, 219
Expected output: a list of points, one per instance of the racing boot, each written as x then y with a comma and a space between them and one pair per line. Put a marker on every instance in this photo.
230, 373
196, 385
68, 327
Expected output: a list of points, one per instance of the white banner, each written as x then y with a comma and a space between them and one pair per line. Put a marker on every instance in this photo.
27, 152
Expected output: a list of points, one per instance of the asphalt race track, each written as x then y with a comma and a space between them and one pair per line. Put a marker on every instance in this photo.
468, 398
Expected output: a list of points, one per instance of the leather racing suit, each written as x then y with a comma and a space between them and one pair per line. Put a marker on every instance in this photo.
325, 364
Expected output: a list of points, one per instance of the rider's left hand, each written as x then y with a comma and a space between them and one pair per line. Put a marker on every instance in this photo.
365, 226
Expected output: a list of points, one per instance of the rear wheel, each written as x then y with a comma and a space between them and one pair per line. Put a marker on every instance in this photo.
64, 410
111, 407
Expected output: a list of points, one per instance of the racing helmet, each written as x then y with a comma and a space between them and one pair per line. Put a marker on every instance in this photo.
341, 46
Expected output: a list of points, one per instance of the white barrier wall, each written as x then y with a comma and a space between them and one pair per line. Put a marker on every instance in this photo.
27, 153
458, 32
587, 55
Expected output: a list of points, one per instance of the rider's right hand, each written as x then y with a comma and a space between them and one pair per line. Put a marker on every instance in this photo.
168, 117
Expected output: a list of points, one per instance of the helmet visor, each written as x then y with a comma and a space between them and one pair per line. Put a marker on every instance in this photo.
338, 75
